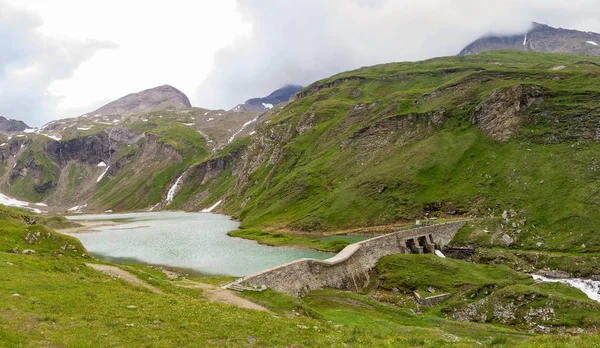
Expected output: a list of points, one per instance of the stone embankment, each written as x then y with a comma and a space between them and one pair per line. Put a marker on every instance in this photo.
352, 267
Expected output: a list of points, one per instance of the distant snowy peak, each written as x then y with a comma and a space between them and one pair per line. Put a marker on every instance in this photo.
540, 38
281, 95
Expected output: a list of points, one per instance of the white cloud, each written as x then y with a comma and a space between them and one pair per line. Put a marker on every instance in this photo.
30, 61
156, 43
62, 58
303, 41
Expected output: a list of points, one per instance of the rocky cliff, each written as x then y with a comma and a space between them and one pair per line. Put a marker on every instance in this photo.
540, 38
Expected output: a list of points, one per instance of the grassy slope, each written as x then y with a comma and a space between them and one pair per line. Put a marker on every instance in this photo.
488, 292
62, 302
144, 180
334, 177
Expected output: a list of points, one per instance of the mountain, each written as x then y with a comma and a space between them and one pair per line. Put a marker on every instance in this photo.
540, 38
120, 161
511, 138
10, 125
263, 104
159, 98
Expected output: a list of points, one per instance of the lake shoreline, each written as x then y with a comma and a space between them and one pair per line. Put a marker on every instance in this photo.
179, 240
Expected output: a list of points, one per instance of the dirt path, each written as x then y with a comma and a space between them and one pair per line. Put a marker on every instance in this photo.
218, 294
211, 292
122, 274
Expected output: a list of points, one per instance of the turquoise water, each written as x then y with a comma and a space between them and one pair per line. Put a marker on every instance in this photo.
196, 241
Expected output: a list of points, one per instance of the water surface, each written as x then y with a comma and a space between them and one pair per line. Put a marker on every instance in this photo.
196, 241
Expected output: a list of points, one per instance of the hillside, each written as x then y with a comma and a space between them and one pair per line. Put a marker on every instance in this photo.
123, 161
55, 294
540, 38
508, 136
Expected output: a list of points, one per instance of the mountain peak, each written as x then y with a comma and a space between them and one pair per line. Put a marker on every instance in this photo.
153, 99
10, 125
280, 95
540, 38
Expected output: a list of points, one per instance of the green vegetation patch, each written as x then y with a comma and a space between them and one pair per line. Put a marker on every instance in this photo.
281, 239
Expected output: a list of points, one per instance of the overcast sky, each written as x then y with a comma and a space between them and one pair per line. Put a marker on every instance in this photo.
62, 58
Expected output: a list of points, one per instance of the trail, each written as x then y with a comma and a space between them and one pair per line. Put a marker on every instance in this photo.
122, 274
218, 294
211, 292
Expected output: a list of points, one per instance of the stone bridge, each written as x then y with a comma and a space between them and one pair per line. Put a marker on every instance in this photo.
351, 268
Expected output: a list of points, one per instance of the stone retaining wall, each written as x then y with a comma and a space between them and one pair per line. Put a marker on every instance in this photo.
352, 267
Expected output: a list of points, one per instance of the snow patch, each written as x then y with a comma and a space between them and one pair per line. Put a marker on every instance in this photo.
241, 129
525, 40
267, 105
77, 208
557, 68
253, 132
53, 137
154, 207
210, 119
208, 210
188, 124
101, 164
13, 202
592, 43
102, 175
84, 128
2, 144
29, 130
206, 113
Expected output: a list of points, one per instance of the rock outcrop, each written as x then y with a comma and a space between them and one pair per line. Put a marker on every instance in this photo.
10, 125
501, 113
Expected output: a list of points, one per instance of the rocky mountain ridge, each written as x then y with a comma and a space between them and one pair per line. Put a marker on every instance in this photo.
540, 38
280, 95
154, 99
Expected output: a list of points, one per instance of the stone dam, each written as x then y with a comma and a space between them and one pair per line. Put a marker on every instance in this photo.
351, 268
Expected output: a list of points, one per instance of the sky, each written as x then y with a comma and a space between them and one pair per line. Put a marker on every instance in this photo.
63, 58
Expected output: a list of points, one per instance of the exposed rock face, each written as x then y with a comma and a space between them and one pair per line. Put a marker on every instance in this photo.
154, 99
263, 104
502, 112
10, 125
540, 38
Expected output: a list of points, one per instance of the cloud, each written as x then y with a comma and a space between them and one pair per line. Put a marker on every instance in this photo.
31, 61
303, 41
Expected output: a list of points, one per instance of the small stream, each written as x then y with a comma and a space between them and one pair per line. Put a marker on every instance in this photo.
590, 287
